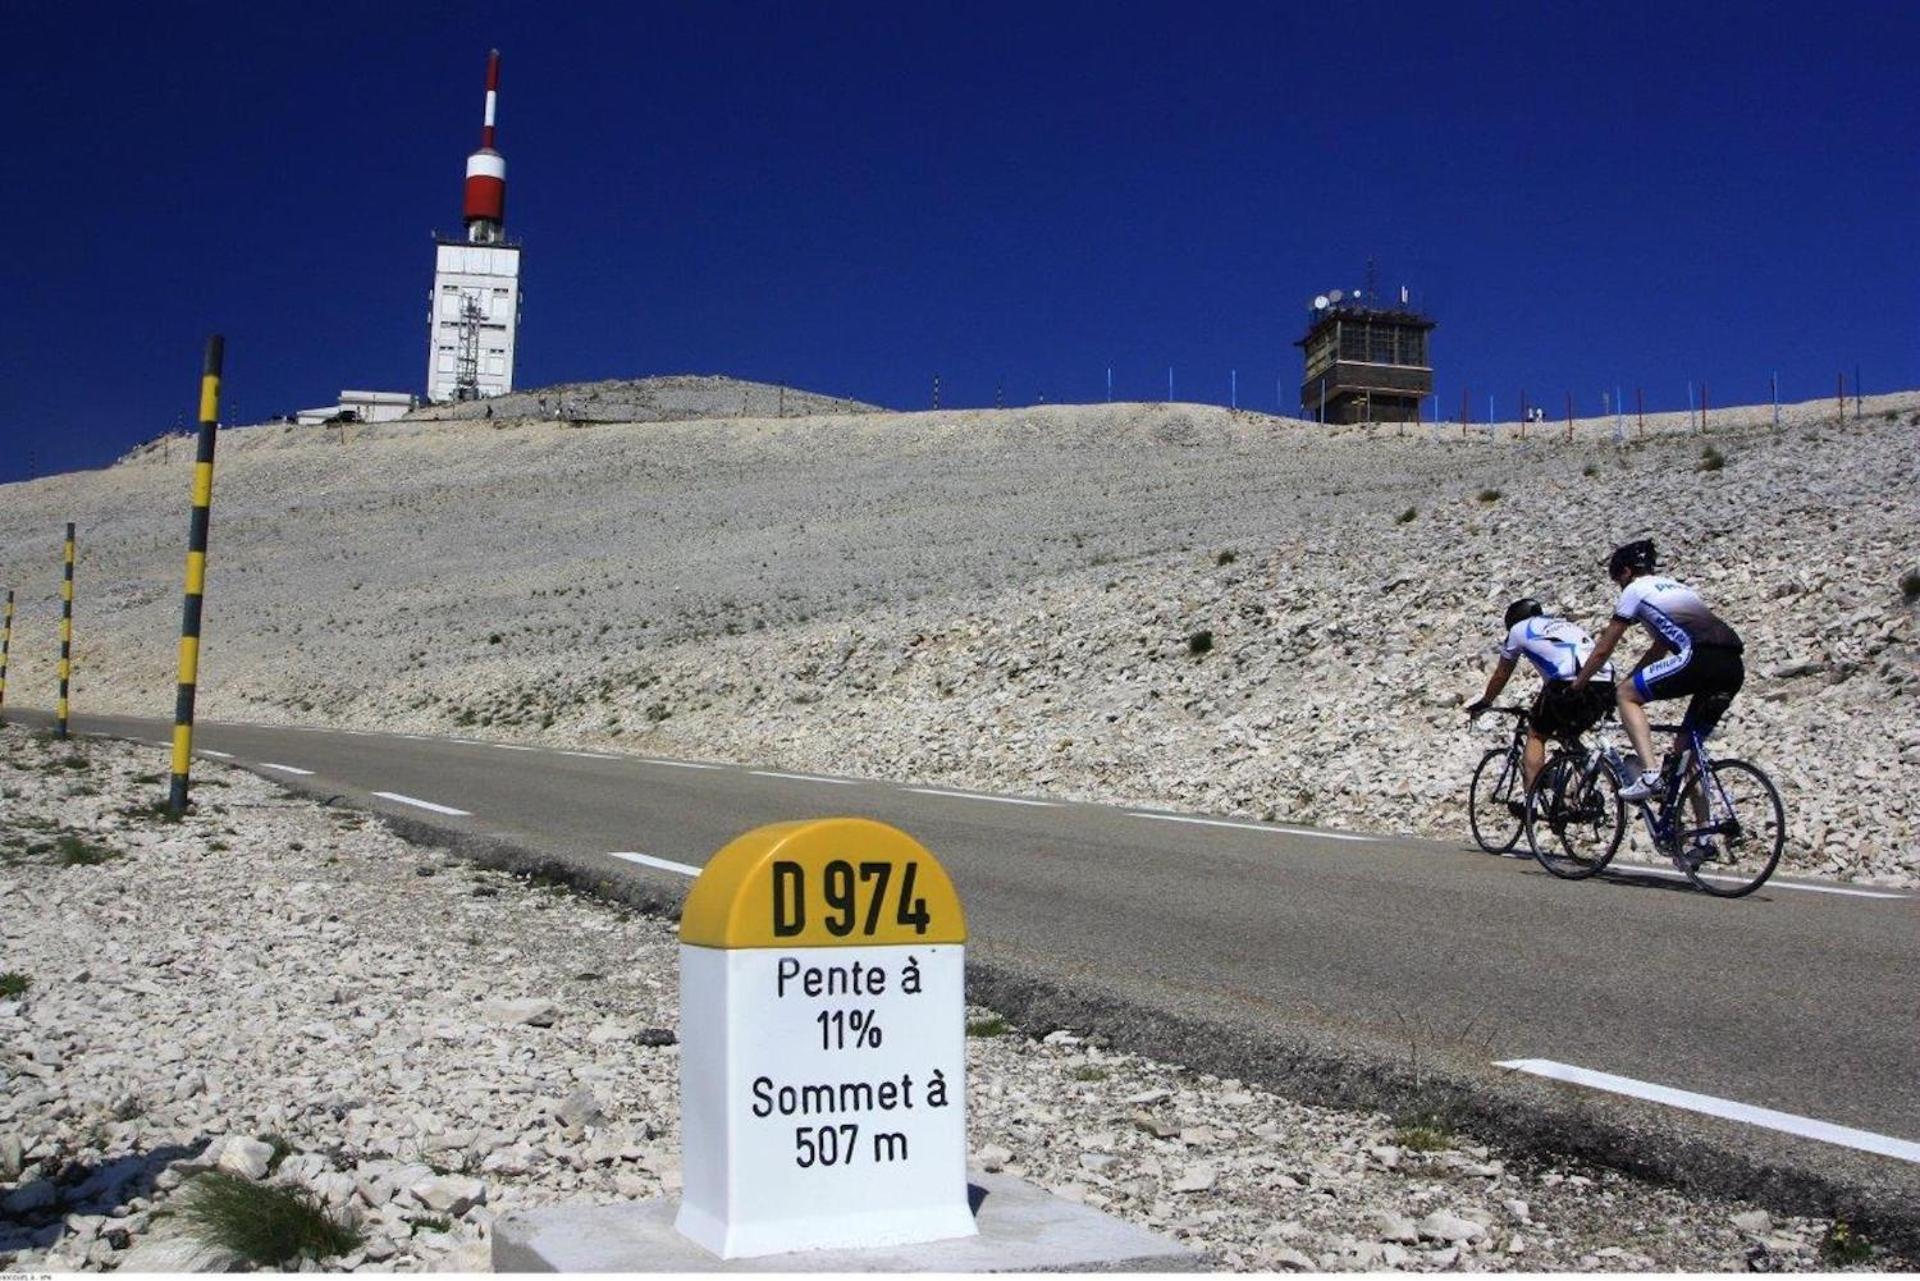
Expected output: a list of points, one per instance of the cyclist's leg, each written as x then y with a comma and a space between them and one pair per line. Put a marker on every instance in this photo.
1630, 701
1534, 755
1721, 673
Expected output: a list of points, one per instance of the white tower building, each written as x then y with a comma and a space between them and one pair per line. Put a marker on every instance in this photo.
474, 312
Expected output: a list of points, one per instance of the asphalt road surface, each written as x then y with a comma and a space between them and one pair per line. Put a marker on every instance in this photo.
1257, 949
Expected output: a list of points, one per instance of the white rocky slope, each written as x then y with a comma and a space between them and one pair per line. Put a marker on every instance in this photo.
293, 994
1012, 599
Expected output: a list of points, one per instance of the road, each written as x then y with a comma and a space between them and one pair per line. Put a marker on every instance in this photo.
1272, 952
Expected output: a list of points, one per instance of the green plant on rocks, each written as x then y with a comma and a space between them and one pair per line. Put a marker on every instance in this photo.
76, 851
268, 1226
1843, 1245
991, 1025
1910, 586
1711, 459
1200, 642
1406, 516
14, 983
1489, 495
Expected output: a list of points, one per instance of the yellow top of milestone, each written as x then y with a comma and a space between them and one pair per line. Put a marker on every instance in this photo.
827, 882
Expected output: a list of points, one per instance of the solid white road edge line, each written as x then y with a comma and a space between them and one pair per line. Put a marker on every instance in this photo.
425, 805
1766, 1118
651, 760
208, 751
1770, 885
976, 796
1251, 827
514, 747
664, 864
805, 778
289, 769
592, 756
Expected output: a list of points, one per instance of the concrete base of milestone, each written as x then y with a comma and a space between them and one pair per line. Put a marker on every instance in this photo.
1022, 1229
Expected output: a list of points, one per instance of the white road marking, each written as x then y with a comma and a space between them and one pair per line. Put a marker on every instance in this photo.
654, 760
1770, 885
208, 751
289, 769
514, 747
805, 778
592, 756
425, 805
1766, 1118
470, 742
664, 864
976, 796
1252, 827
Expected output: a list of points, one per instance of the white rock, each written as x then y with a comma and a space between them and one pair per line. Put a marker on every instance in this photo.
531, 1011
449, 1194
1446, 1226
246, 1157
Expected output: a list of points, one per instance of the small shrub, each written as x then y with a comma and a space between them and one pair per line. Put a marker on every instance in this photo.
1226, 557
1590, 469
75, 851
1423, 1133
1910, 586
148, 778
1844, 1245
268, 1226
1489, 495
1088, 1072
1200, 642
1711, 459
1406, 516
494, 639
14, 983
992, 1025
431, 1223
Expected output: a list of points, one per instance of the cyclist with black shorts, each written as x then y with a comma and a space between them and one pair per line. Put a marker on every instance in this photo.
1693, 653
1556, 648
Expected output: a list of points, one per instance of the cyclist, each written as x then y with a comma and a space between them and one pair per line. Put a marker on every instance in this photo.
1556, 648
1694, 652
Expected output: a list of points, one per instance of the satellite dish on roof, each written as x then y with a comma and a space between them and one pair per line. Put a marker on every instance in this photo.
1320, 302
1335, 295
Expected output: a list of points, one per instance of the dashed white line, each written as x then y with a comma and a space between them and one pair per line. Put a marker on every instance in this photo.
470, 742
1771, 884
208, 751
652, 760
978, 796
425, 805
805, 778
1727, 1109
1252, 827
285, 769
664, 864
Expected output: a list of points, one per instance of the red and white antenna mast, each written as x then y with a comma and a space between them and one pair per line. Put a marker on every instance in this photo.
486, 199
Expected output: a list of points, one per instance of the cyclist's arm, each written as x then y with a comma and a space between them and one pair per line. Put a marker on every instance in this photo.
1502, 670
1602, 650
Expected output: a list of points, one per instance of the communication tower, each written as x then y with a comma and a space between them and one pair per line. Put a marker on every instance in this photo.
474, 311
1367, 360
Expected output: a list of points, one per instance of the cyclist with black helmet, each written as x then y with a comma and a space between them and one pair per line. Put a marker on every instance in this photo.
1694, 653
1556, 648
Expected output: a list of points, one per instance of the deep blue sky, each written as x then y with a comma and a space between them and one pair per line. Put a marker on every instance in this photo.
853, 198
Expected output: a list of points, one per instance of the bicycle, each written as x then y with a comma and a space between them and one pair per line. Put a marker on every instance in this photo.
1494, 799
1575, 818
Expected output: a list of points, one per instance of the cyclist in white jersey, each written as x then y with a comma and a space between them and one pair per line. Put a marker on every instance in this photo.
1693, 653
1556, 648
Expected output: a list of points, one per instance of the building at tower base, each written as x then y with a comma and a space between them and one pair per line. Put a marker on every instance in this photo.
1365, 363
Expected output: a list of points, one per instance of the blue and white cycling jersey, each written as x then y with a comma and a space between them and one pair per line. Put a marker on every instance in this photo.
1674, 613
1554, 646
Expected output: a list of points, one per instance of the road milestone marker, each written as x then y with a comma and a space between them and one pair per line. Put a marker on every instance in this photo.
823, 1044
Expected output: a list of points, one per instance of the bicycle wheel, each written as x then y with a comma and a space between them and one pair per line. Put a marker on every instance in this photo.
1496, 783
1575, 817
1745, 829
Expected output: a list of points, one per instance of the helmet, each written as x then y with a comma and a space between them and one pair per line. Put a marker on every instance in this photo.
1635, 555
1525, 607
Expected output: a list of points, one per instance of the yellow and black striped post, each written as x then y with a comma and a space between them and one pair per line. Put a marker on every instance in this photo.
66, 632
6, 643
196, 573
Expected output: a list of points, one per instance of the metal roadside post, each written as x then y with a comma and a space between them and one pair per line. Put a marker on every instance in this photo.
66, 635
823, 1044
6, 643
210, 373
